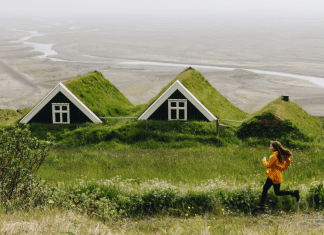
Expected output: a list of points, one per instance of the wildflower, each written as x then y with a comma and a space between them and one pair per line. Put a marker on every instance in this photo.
73, 205
51, 201
209, 227
136, 222
186, 214
189, 207
222, 209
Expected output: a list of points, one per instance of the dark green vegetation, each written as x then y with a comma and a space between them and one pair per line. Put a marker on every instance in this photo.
20, 157
142, 134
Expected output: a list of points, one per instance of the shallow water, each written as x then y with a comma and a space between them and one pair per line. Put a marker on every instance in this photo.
317, 80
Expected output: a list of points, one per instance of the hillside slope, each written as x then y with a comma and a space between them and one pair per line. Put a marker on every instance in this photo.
280, 118
195, 82
101, 96
10, 116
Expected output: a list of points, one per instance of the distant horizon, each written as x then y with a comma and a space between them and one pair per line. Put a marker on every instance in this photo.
187, 20
165, 8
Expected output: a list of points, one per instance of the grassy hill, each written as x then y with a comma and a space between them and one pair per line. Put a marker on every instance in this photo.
282, 119
195, 82
101, 96
10, 116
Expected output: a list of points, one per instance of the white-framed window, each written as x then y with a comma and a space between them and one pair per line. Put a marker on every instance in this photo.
61, 113
177, 109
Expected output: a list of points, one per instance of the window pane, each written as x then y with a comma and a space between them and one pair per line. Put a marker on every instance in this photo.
64, 107
173, 114
57, 117
181, 104
64, 117
57, 107
181, 114
173, 104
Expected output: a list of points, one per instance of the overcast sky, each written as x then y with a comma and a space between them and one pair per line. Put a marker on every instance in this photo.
283, 8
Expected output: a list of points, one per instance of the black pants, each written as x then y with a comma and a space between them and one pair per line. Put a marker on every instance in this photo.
276, 188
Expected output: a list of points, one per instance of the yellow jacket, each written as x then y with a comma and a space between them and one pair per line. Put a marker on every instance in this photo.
275, 168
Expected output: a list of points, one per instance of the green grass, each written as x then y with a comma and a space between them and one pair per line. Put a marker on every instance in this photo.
10, 116
193, 165
137, 182
99, 95
216, 103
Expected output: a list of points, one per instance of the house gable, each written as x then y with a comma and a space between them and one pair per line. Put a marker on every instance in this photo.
60, 95
195, 110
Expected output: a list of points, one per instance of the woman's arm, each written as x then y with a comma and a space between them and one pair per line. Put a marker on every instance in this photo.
272, 160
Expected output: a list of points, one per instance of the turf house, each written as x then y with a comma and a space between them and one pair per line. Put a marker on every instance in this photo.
60, 106
177, 103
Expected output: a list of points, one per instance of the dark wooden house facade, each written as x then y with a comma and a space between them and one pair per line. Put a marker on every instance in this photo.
177, 103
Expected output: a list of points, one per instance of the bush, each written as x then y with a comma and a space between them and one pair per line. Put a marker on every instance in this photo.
20, 157
315, 197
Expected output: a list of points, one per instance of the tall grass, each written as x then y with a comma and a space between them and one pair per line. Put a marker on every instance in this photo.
55, 221
114, 199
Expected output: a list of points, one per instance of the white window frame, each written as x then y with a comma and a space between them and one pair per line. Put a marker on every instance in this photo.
61, 112
177, 108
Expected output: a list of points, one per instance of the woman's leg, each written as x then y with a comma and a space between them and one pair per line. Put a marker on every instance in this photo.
282, 192
266, 187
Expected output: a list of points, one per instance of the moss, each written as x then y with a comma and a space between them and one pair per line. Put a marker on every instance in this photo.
100, 95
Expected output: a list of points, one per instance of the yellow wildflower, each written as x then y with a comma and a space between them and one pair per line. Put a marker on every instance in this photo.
186, 214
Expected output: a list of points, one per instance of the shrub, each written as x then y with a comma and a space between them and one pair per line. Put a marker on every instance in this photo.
20, 157
315, 197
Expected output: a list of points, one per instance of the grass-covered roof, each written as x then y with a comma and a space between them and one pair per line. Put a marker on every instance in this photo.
99, 95
280, 118
216, 103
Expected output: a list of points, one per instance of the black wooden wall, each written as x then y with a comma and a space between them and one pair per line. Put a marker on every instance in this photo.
45, 114
192, 112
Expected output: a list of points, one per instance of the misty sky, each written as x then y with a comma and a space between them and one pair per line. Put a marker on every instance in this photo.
302, 8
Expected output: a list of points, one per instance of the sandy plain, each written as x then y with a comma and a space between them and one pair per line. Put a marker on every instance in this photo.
26, 75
